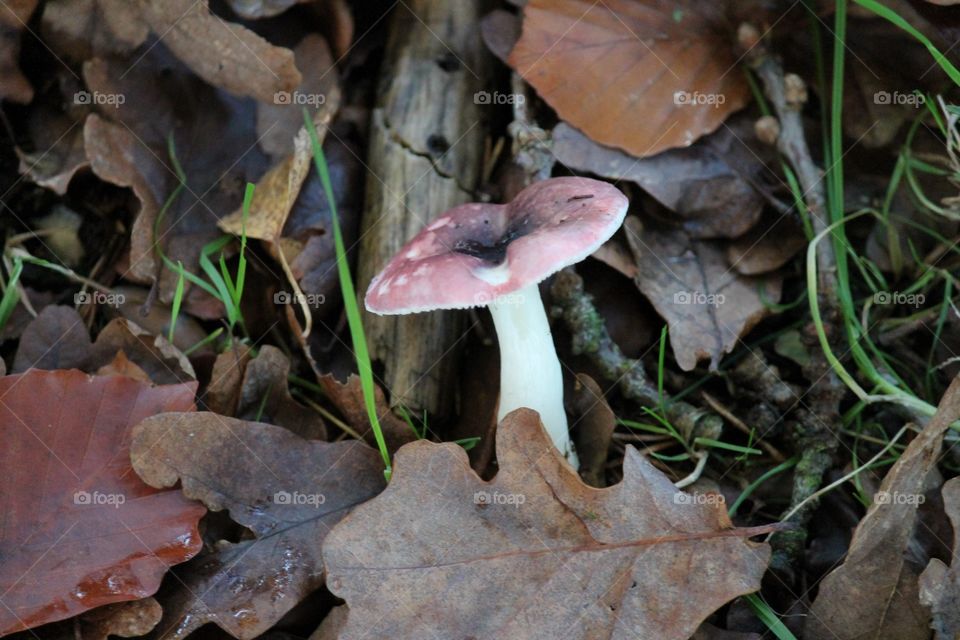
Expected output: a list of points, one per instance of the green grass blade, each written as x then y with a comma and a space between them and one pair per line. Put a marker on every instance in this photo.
720, 444
242, 263
748, 491
660, 370
354, 321
768, 617
210, 338
177, 301
892, 16
10, 295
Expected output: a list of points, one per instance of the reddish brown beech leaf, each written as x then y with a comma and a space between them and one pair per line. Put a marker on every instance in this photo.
639, 75
79, 528
288, 491
534, 553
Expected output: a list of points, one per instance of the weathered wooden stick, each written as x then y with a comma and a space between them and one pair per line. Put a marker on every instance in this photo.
425, 156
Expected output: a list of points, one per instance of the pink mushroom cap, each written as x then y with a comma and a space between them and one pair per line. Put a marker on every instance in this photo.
475, 253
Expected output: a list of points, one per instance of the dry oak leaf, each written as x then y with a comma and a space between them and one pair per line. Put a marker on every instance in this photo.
264, 396
710, 185
939, 585
278, 122
347, 397
639, 75
163, 362
874, 593
56, 339
215, 138
544, 555
57, 149
706, 303
224, 54
288, 491
79, 529
82, 29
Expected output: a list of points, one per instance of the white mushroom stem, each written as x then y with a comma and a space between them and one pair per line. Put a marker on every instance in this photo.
529, 369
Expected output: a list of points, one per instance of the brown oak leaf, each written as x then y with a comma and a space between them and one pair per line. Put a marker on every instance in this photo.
288, 491
534, 553
707, 304
874, 593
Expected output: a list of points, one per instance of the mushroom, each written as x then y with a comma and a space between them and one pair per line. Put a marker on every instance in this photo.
495, 255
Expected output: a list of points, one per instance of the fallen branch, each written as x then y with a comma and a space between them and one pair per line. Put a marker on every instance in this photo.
591, 339
819, 421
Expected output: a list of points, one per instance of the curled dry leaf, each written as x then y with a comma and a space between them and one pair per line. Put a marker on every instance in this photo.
125, 619
14, 15
595, 422
82, 29
279, 123
706, 303
288, 491
670, 61
265, 397
222, 394
214, 135
80, 529
55, 339
874, 593
940, 585
224, 54
117, 157
122, 366
534, 553
348, 399
58, 151
163, 362
710, 185
767, 246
